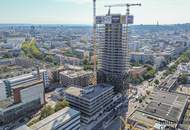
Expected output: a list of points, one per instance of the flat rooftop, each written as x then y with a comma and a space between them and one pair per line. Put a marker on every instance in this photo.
24, 76
21, 77
54, 120
168, 83
167, 105
163, 106
96, 91
75, 74
29, 84
150, 54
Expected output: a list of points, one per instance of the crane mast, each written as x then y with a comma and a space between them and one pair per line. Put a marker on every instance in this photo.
94, 43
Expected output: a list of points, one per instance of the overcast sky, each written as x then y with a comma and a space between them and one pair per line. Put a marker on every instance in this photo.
80, 11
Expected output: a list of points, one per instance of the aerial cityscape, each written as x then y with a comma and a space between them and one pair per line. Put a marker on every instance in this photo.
107, 68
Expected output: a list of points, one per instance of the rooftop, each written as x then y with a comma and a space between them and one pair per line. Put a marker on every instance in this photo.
91, 92
29, 84
150, 54
167, 105
21, 77
164, 106
168, 83
75, 74
24, 77
51, 122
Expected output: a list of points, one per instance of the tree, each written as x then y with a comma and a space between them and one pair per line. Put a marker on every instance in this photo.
31, 50
87, 65
85, 62
147, 92
183, 79
49, 58
60, 105
46, 111
149, 74
7, 56
156, 82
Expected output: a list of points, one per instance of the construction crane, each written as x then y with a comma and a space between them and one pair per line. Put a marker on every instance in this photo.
94, 80
127, 5
122, 5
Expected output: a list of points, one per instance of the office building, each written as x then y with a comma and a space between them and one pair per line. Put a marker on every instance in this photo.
26, 98
113, 56
90, 101
142, 57
43, 74
3, 94
11, 82
65, 119
26, 78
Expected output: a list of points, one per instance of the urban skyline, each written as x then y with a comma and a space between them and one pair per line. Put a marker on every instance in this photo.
61, 71
65, 11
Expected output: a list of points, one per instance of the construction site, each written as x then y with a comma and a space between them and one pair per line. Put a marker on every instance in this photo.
161, 110
110, 39
77, 78
113, 53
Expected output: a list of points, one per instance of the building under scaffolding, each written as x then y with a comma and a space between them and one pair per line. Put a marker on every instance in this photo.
113, 58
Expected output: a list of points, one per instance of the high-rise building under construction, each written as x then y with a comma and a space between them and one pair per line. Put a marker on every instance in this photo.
113, 58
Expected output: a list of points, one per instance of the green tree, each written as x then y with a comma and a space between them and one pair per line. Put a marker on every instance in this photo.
60, 105
49, 58
31, 50
183, 79
149, 74
85, 62
87, 65
7, 56
156, 81
140, 100
46, 111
